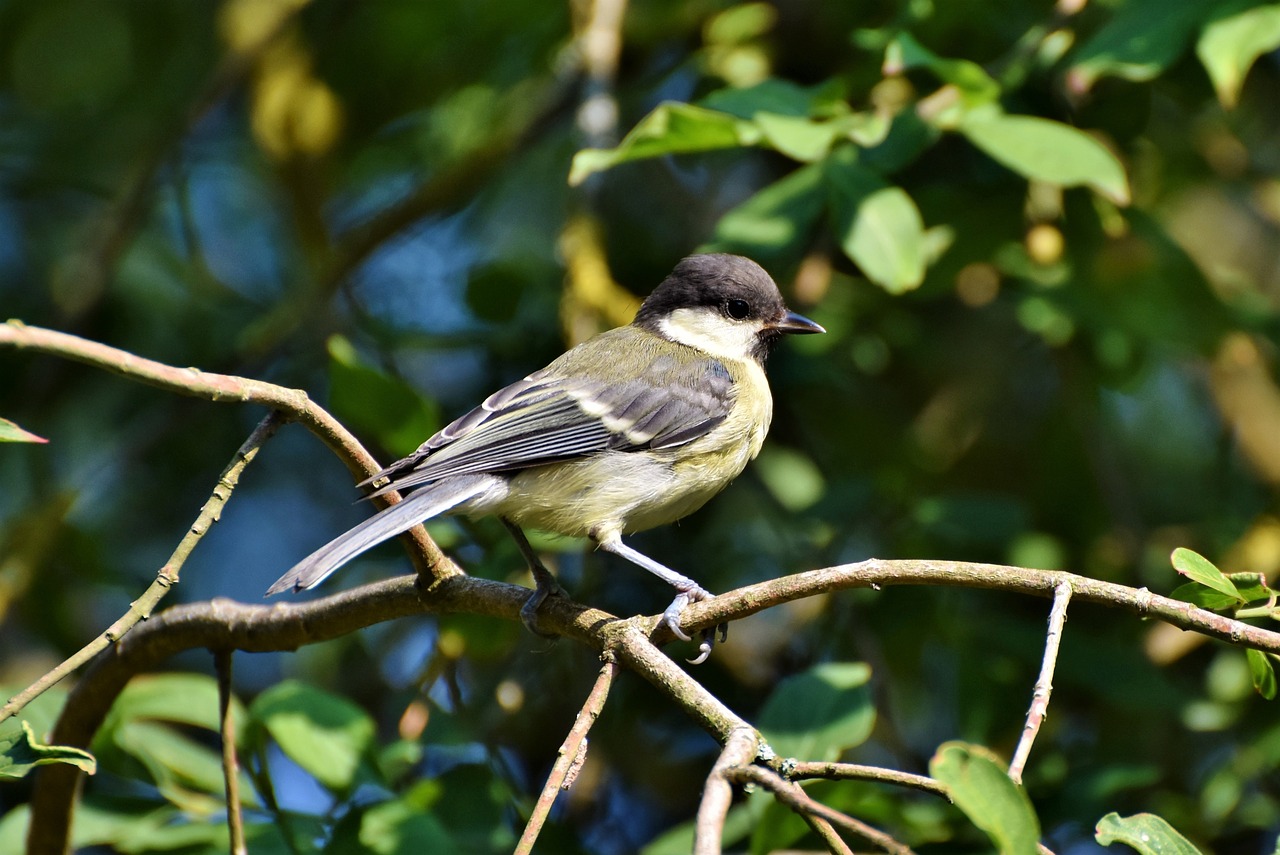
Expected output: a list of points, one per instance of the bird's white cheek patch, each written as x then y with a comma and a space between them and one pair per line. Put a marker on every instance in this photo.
710, 332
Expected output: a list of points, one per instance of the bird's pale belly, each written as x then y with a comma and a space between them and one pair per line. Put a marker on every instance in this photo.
622, 491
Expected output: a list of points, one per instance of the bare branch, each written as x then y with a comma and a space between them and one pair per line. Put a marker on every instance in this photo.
717, 795
571, 755
230, 763
874, 573
793, 770
1044, 685
794, 797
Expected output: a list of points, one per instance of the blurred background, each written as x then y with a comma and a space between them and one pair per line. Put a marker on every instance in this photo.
1047, 348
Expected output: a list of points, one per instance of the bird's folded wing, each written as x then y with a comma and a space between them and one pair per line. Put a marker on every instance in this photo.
550, 417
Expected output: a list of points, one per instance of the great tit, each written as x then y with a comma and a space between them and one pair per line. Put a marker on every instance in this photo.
634, 428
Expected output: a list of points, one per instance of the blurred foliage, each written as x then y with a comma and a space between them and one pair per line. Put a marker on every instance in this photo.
1042, 237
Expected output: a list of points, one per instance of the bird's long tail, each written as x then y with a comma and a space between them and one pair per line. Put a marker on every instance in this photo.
420, 505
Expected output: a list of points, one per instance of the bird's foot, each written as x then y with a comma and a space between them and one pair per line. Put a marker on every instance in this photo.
545, 586
707, 638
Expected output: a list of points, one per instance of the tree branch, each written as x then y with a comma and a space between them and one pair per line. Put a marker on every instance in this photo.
794, 797
1044, 685
572, 754
295, 403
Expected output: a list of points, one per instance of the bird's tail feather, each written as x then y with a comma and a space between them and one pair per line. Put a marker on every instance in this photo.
418, 506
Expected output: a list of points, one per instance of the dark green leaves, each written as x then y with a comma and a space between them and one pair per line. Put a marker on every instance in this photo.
821, 712
376, 404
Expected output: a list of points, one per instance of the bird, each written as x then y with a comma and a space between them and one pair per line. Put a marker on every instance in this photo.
632, 429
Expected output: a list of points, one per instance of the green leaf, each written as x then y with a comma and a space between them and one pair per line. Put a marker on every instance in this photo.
878, 226
1145, 832
672, 128
1048, 151
775, 220
190, 699
1205, 598
1229, 46
977, 87
398, 826
1251, 586
1263, 674
375, 403
1142, 39
980, 787
186, 772
326, 735
20, 752
776, 96
800, 139
817, 714
1199, 569
10, 432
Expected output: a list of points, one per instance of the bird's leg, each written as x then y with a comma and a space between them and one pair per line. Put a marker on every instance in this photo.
545, 584
688, 591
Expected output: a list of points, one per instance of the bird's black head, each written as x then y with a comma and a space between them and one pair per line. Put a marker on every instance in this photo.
724, 304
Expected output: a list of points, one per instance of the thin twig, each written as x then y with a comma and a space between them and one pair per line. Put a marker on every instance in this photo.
794, 797
1044, 685
141, 608
717, 795
572, 752
230, 763
794, 770
828, 834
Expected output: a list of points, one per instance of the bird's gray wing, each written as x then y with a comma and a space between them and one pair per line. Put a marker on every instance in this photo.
557, 414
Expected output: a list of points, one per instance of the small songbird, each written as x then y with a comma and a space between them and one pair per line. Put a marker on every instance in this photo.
632, 429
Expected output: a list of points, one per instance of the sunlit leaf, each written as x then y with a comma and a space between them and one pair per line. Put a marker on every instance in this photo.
879, 226
980, 786
801, 139
672, 128
20, 752
971, 79
1229, 46
327, 735
1145, 832
10, 432
1262, 673
1199, 569
821, 712
1049, 151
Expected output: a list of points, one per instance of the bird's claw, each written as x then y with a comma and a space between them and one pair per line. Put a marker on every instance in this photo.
707, 638
547, 586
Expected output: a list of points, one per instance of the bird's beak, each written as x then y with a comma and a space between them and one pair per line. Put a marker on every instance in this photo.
795, 324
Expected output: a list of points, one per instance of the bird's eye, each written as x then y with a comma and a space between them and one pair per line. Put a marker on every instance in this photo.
737, 309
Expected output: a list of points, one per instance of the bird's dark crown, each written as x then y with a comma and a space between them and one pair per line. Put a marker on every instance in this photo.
736, 286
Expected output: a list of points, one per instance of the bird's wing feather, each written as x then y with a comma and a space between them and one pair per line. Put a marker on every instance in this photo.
555, 414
